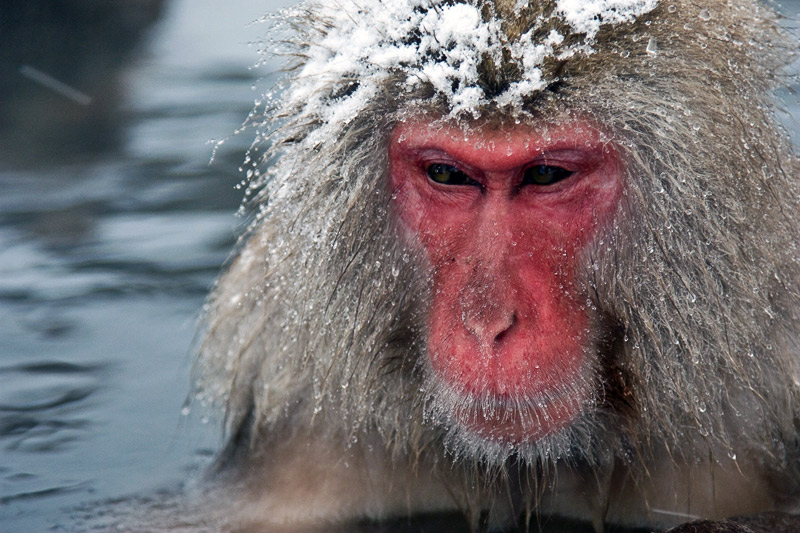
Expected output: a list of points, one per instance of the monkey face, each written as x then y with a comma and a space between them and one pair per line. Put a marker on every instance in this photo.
505, 219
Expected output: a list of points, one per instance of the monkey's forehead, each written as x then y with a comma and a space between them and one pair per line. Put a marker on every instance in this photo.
472, 54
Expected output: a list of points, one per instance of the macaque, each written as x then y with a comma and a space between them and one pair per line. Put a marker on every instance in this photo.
515, 265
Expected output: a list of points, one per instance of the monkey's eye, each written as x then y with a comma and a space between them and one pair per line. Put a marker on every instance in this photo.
448, 175
545, 175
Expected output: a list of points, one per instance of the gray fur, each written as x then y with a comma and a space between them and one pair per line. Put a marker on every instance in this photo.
318, 321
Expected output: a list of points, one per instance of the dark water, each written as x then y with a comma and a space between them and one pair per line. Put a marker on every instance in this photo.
113, 225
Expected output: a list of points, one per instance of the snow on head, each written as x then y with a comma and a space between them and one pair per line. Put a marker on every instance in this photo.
356, 45
586, 16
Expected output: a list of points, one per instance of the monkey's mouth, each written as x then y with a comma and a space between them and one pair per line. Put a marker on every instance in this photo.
516, 419
514, 396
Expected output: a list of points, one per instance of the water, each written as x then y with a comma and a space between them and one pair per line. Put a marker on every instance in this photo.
113, 225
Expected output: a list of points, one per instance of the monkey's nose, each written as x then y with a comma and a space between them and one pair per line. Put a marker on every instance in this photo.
489, 322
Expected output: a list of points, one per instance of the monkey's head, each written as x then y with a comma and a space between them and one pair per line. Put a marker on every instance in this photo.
535, 229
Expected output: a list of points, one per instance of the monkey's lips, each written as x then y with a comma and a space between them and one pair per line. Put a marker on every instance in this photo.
515, 394
521, 420
520, 392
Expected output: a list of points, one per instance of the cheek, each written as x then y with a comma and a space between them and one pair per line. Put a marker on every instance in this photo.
439, 233
408, 211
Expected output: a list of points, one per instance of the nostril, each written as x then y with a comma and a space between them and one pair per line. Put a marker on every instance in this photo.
503, 330
489, 326
486, 313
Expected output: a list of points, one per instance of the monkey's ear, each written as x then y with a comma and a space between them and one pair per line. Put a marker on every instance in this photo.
757, 523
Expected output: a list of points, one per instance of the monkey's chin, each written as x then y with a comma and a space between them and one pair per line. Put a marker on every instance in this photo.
522, 420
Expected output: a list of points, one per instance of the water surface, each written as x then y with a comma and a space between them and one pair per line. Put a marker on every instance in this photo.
113, 225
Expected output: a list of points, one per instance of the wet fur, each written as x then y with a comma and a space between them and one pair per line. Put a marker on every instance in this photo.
314, 337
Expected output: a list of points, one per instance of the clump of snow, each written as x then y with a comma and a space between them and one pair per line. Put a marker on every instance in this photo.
364, 42
586, 16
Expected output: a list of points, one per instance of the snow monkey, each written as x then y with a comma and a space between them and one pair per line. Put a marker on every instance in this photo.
515, 265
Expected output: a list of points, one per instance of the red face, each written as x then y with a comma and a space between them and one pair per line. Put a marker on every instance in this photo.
504, 217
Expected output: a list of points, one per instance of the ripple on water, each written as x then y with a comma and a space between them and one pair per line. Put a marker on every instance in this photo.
41, 404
